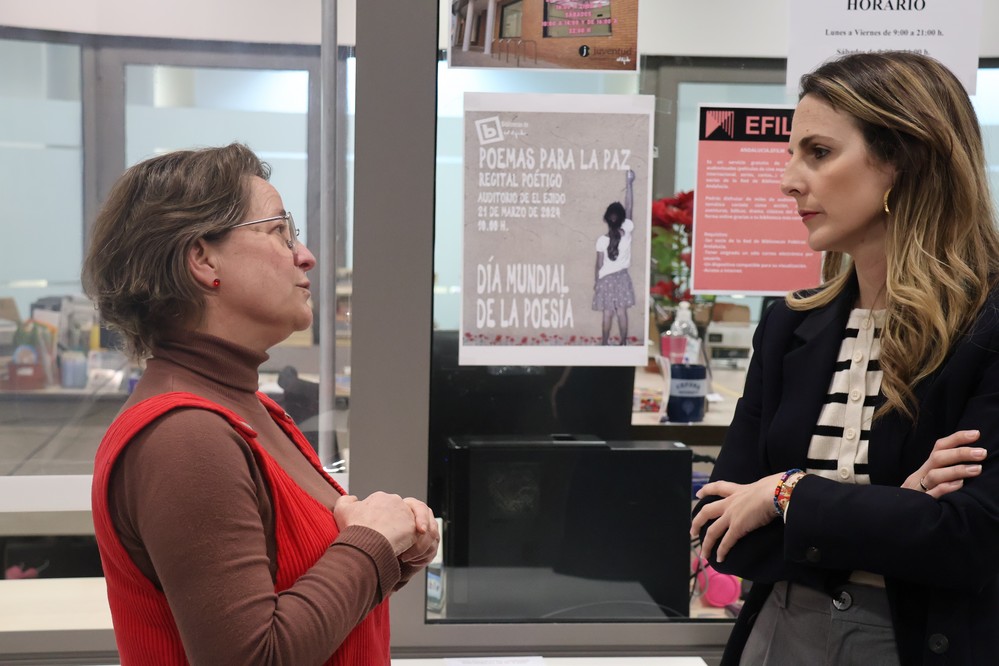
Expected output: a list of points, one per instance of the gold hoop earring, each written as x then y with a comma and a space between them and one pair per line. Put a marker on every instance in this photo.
887, 211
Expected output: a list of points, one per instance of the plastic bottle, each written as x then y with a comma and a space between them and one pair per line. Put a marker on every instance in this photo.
681, 335
688, 376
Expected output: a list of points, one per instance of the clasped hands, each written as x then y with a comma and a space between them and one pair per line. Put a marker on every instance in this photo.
408, 524
747, 507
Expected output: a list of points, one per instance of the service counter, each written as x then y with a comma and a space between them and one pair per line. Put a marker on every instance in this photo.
67, 620
53, 619
49, 438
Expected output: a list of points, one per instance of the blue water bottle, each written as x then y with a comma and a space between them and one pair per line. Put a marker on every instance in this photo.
688, 387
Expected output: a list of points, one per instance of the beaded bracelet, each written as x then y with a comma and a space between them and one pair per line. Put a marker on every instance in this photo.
779, 490
785, 492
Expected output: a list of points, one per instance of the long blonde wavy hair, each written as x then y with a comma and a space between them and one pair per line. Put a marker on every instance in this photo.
942, 245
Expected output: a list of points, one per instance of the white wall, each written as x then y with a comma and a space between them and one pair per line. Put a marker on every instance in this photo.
738, 28
757, 28
747, 28
287, 21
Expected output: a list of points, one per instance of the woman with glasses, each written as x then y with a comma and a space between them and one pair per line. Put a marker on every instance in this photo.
223, 541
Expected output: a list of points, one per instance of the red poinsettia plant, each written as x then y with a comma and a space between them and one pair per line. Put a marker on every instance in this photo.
672, 220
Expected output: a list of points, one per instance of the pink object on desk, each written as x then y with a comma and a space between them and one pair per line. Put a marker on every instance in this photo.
719, 589
19, 572
672, 347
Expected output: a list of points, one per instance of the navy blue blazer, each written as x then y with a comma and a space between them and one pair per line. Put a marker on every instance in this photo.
940, 559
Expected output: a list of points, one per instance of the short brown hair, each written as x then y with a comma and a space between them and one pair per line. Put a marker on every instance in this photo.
136, 269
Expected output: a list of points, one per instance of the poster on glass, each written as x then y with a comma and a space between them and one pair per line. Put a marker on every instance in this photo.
544, 34
555, 246
748, 237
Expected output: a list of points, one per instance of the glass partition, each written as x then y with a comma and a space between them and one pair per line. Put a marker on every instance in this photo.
505, 482
73, 113
169, 108
49, 425
517, 502
61, 379
986, 103
41, 153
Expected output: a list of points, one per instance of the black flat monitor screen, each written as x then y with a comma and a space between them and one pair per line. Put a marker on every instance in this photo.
534, 401
542, 530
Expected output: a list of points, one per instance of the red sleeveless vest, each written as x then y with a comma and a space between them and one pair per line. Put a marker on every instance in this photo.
144, 627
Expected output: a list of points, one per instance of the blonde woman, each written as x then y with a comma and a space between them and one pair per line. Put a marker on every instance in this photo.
857, 486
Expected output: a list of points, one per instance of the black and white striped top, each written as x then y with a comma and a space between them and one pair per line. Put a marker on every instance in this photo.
838, 449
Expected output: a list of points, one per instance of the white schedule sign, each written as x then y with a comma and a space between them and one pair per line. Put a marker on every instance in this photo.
947, 30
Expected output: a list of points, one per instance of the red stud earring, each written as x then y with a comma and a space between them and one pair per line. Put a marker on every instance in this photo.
216, 282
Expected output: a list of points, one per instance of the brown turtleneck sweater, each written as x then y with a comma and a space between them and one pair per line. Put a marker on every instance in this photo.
193, 511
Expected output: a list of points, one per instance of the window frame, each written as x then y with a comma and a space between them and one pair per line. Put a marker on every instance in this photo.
396, 376
103, 61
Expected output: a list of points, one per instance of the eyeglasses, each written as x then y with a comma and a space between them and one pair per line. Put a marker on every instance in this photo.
291, 240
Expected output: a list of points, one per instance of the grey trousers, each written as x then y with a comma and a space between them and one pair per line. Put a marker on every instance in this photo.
799, 625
